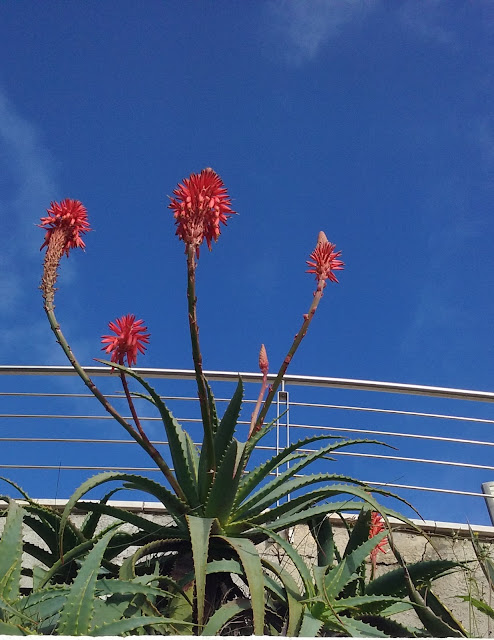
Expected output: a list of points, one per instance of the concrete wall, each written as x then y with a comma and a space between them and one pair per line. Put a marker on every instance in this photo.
442, 540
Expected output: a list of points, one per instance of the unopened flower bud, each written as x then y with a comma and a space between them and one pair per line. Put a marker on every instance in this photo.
263, 360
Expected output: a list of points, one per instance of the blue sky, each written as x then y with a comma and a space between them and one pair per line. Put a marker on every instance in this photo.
371, 120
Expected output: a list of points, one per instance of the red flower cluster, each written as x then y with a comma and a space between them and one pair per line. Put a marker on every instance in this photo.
201, 202
324, 259
377, 525
130, 338
71, 217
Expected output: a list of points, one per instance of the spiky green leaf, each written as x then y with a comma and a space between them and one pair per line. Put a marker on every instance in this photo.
224, 614
200, 529
11, 553
76, 614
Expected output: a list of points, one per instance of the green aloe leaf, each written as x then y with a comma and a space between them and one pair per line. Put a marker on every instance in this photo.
360, 531
91, 521
44, 531
395, 629
200, 529
393, 583
219, 501
41, 555
44, 606
112, 586
295, 557
251, 562
485, 562
177, 439
212, 408
121, 514
76, 614
482, 606
120, 627
228, 424
293, 597
8, 610
254, 478
290, 486
49, 529
224, 614
77, 552
359, 629
366, 605
310, 626
127, 570
174, 506
322, 532
302, 516
433, 624
11, 552
223, 434
440, 610
347, 570
8, 629
250, 445
296, 468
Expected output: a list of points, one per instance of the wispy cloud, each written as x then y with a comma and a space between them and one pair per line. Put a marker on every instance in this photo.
428, 19
303, 27
27, 186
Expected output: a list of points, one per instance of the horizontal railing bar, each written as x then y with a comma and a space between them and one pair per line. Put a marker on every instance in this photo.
118, 396
419, 414
261, 447
420, 488
295, 426
466, 465
106, 441
398, 434
230, 376
154, 469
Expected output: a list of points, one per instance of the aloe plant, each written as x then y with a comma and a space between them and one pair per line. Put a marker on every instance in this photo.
91, 605
336, 597
219, 506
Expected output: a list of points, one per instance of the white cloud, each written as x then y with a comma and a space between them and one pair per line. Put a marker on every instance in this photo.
302, 27
427, 19
26, 188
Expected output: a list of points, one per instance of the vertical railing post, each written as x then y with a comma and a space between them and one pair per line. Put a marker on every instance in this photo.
282, 407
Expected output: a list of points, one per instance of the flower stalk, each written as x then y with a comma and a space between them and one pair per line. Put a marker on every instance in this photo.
200, 204
197, 356
324, 261
65, 223
264, 367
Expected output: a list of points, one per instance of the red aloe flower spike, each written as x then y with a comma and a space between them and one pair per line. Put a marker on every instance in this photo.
201, 202
130, 338
324, 260
377, 525
71, 217
64, 224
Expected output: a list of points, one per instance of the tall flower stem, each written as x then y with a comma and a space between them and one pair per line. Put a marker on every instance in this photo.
147, 444
291, 352
197, 357
52, 259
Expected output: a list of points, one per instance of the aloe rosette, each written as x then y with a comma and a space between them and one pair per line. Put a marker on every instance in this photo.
220, 507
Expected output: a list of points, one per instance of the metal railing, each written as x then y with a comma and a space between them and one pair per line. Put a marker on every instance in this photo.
53, 434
